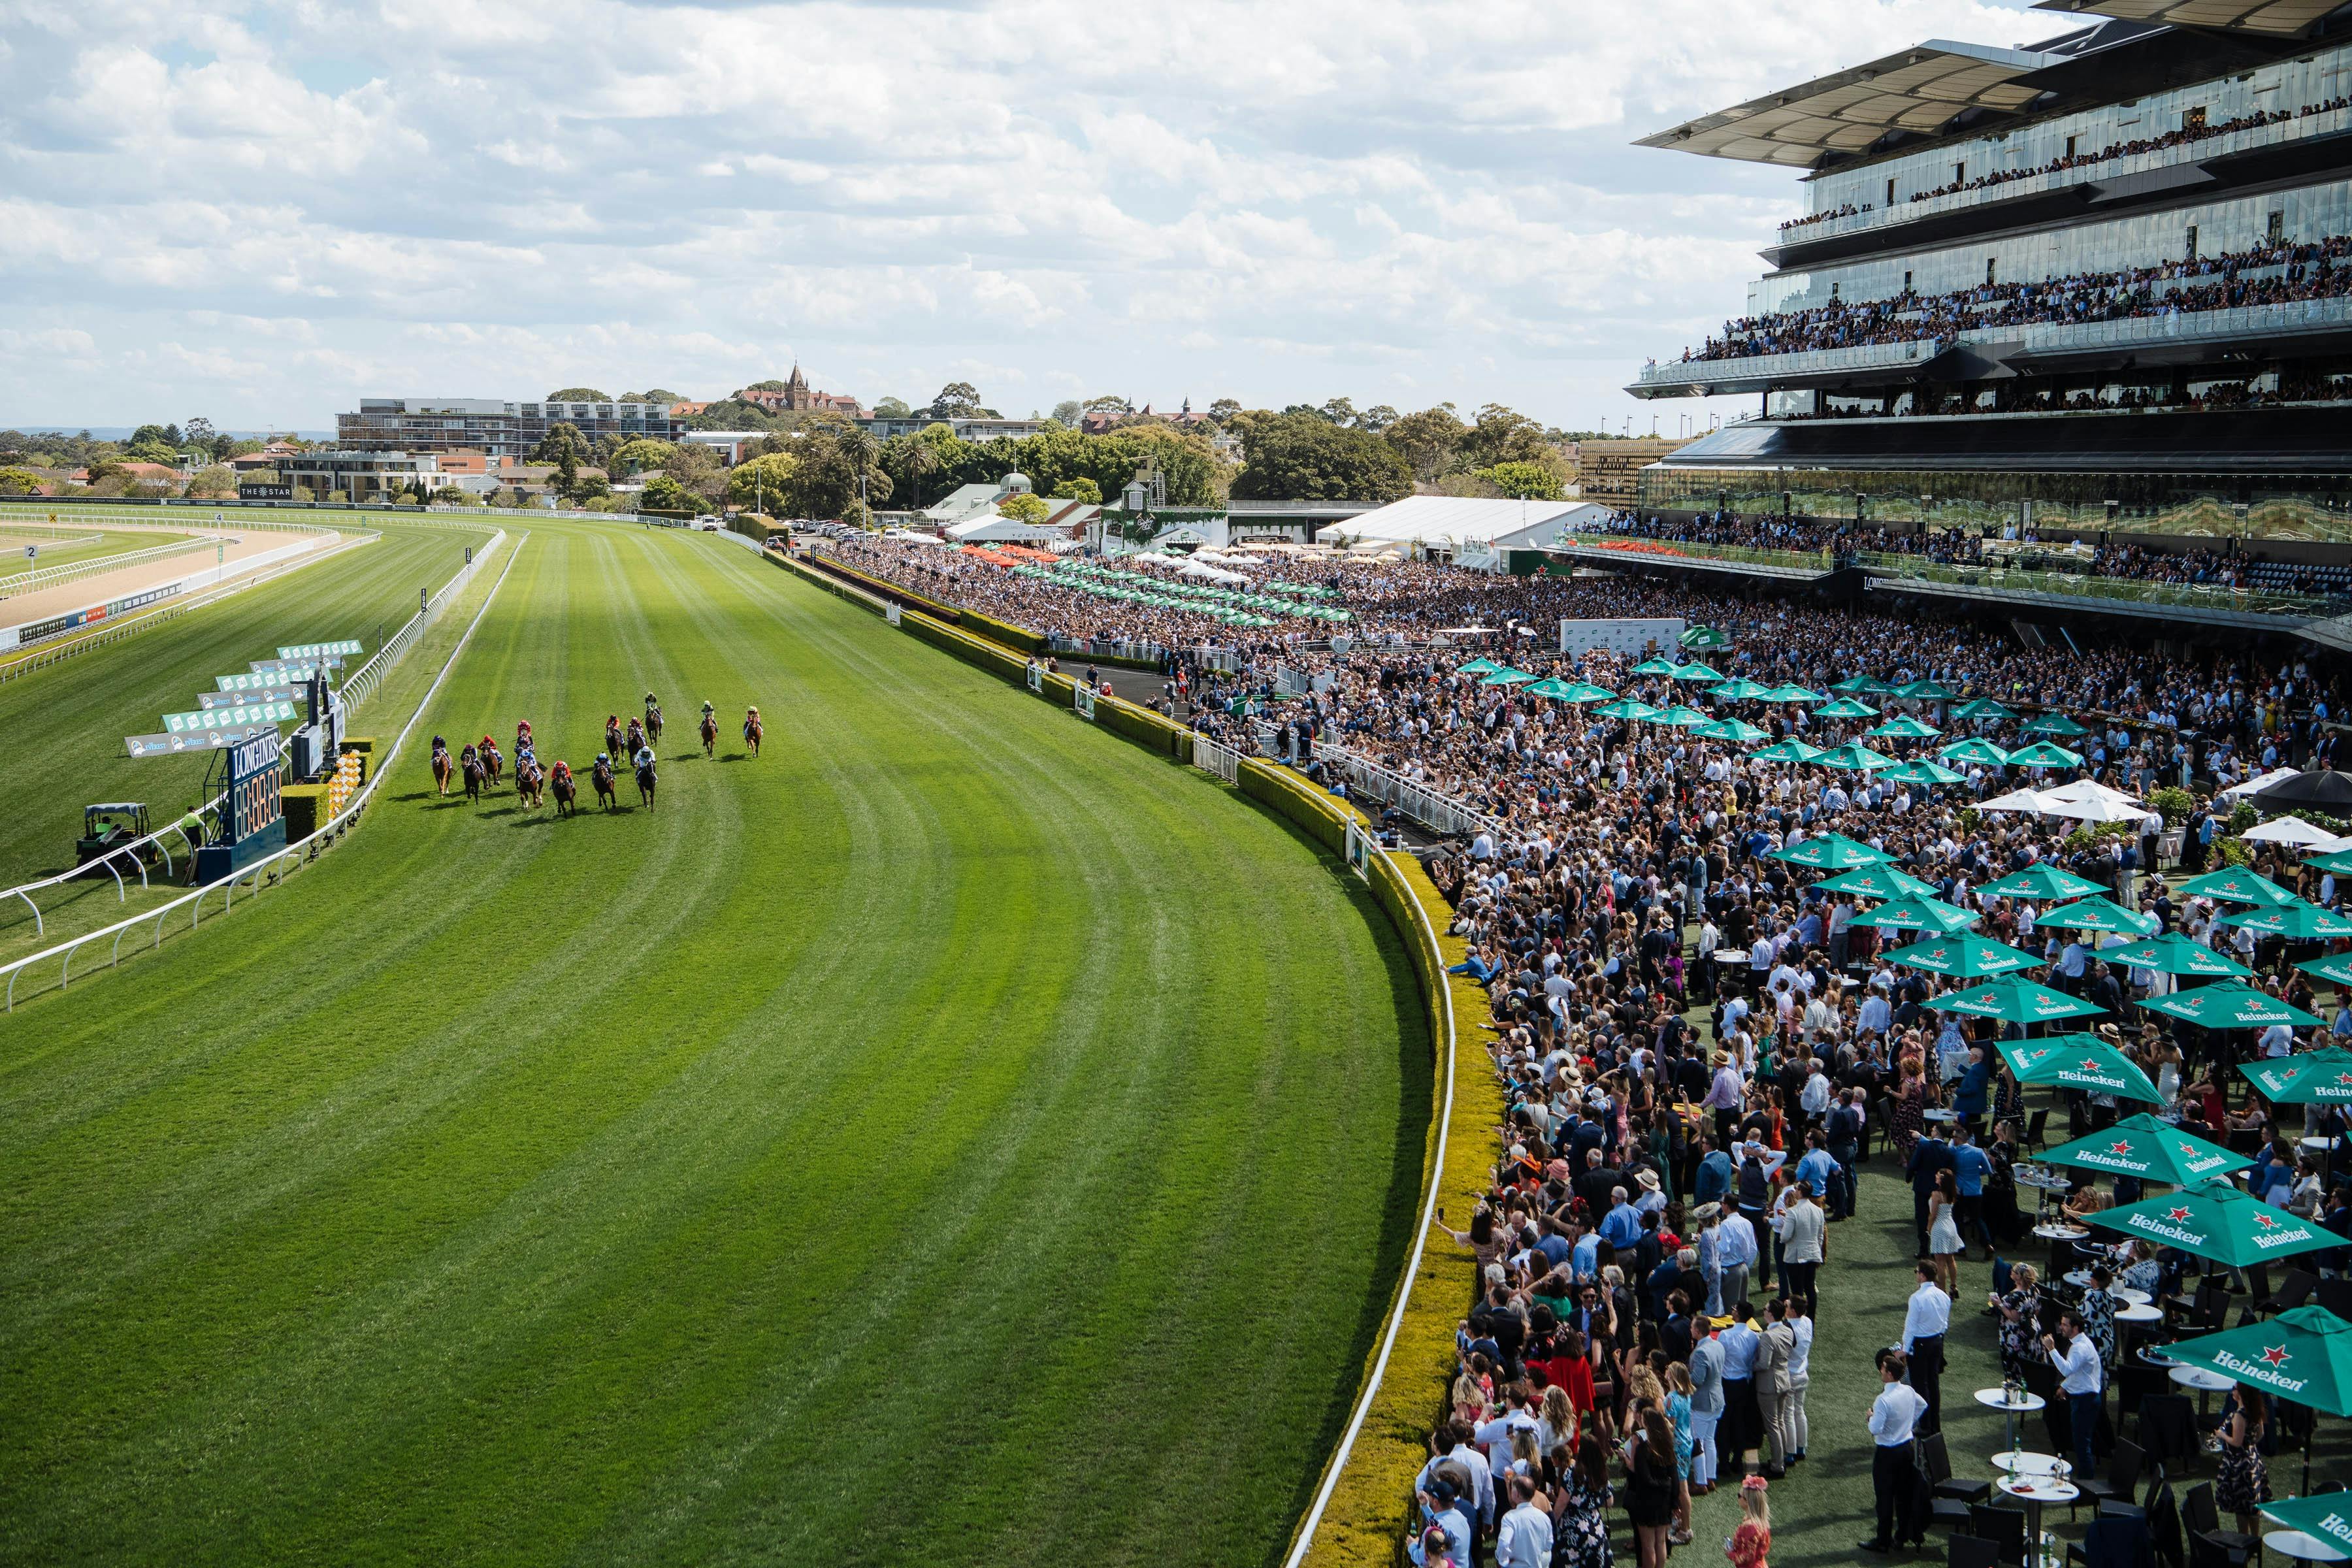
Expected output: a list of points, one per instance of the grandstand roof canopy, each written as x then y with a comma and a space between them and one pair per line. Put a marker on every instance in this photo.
1919, 91
1465, 521
2276, 18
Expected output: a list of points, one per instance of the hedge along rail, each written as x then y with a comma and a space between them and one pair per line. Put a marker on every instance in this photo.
1363, 1500
284, 862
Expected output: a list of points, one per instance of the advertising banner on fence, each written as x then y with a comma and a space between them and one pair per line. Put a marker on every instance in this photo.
1083, 699
1632, 638
319, 649
190, 741
244, 716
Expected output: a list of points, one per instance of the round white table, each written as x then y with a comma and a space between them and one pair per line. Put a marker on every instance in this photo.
2018, 1463
2036, 1490
2061, 1232
2125, 1293
2206, 1383
1939, 1115
2079, 1278
2303, 1547
2140, 1312
2318, 1145
1998, 1399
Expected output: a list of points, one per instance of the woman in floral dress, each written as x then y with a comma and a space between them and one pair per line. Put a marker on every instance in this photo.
2020, 1323
1580, 1517
1909, 1100
2243, 1483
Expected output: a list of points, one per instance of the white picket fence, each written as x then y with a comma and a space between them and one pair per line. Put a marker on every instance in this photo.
276, 868
1210, 757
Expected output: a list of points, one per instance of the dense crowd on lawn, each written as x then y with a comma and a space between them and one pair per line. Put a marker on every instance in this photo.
2304, 270
2184, 136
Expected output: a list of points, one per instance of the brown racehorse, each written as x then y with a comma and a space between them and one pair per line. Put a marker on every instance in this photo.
601, 775
753, 731
528, 782
645, 783
494, 766
636, 741
443, 769
612, 735
472, 765
566, 789
709, 736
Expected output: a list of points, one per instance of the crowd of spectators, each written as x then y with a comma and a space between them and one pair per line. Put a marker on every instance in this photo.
2298, 387
2185, 136
2267, 274
1699, 1046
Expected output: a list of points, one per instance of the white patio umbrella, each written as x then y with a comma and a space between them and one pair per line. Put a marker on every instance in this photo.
2092, 789
2296, 831
2017, 800
2255, 785
2093, 809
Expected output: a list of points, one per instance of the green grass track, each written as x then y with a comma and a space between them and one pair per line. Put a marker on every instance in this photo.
953, 1137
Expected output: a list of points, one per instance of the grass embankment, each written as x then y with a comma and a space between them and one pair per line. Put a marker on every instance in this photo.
69, 719
948, 1138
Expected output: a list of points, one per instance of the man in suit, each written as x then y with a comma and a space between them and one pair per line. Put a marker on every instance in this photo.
1930, 1155
1775, 1397
1845, 1140
1800, 1225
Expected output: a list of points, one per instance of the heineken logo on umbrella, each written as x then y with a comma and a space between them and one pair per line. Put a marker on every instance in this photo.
2178, 1214
2262, 1370
2175, 1232
2266, 1222
2192, 1160
2121, 1146
2277, 1357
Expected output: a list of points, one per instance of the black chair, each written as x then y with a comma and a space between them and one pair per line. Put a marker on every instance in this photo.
2117, 1485
2136, 1381
2335, 1295
2112, 1543
1967, 1551
2166, 1431
2297, 1289
2004, 1527
2035, 1125
2164, 1524
2204, 1524
1941, 1482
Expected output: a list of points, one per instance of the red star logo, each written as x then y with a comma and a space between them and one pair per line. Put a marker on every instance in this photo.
2180, 1216
2277, 1355
2122, 1148
2344, 1077
2265, 1221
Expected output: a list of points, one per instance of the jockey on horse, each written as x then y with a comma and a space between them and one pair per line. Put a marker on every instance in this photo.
602, 777
636, 741
612, 732
471, 764
443, 768
524, 750
709, 729
645, 760
653, 720
559, 777
493, 764
752, 730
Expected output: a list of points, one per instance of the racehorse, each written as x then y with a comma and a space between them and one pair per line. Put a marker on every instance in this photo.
443, 769
752, 730
636, 741
601, 775
529, 781
613, 734
567, 791
645, 777
709, 734
473, 766
494, 766
653, 721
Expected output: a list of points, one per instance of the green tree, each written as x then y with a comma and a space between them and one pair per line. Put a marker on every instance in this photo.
1079, 488
1024, 508
762, 482
1067, 412
18, 482
151, 444
561, 441
450, 495
1224, 409
697, 469
577, 395
634, 457
661, 394
1530, 481
1500, 435
837, 474
1427, 441
1339, 410
663, 493
214, 480
893, 408
958, 400
1305, 457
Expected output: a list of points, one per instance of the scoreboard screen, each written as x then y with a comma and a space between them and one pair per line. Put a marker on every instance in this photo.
253, 821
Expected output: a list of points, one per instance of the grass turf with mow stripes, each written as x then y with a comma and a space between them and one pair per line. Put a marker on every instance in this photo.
954, 1136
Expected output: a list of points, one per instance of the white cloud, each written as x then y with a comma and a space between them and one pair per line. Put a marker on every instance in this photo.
1280, 201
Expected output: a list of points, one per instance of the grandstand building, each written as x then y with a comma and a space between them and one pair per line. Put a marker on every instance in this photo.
2099, 286
487, 426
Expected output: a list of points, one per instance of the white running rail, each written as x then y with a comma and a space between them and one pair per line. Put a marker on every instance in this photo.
279, 866
357, 685
42, 576
1210, 757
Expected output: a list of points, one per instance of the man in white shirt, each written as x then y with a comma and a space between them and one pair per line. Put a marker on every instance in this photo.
1893, 1416
1524, 1538
1736, 1251
1453, 1441
1925, 1319
2081, 1379
1800, 1376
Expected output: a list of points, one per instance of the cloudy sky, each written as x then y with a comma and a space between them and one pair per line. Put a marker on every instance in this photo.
261, 212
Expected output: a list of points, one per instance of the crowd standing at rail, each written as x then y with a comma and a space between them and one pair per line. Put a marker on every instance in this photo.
1699, 1046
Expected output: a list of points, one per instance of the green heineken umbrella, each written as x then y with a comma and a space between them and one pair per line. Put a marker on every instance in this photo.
1738, 688
2218, 1221
1695, 672
2043, 754
2229, 1006
2323, 1077
2326, 1516
1925, 773
1974, 750
1729, 730
1628, 707
1904, 729
1705, 637
1831, 852
2336, 967
2173, 953
1789, 751
1963, 955
1791, 694
1653, 667
2042, 882
1861, 684
1919, 912
1679, 717
2337, 860
1478, 667
2150, 1148
2236, 885
1981, 707
2297, 921
1585, 691
1506, 675
1925, 691
1558, 689
1876, 882
2304, 1357
2014, 1001
1853, 758
2100, 914
2054, 724
1845, 708
2078, 1061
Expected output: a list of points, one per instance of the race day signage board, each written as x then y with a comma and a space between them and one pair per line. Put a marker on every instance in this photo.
245, 715
191, 740
319, 650
1632, 638
210, 700
257, 680
295, 668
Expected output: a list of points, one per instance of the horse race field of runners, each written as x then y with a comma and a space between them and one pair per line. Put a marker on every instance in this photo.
950, 1135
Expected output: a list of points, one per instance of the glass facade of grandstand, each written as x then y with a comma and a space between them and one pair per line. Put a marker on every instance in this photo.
2110, 303
496, 428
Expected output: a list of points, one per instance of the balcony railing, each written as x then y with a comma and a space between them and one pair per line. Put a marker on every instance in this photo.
2244, 140
2076, 585
1811, 361
1636, 547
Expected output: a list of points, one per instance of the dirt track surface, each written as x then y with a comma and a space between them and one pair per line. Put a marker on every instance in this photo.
100, 586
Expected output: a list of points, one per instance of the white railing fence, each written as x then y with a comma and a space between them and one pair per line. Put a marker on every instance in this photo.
42, 576
1210, 757
1440, 813
273, 869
